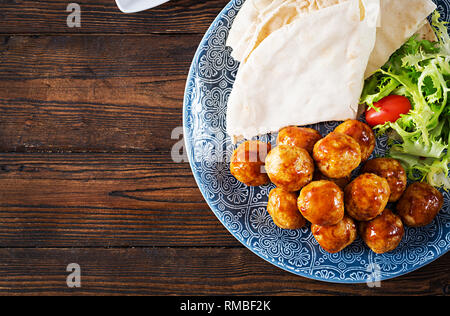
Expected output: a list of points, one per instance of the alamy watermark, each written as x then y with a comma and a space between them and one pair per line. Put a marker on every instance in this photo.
374, 276
214, 150
73, 280
74, 18
207, 150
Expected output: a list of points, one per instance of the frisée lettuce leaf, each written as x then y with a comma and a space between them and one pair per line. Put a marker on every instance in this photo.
420, 71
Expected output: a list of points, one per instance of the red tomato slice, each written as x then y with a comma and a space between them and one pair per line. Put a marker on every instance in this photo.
391, 107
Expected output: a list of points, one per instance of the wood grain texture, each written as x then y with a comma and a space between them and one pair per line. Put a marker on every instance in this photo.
94, 200
86, 173
100, 94
91, 115
84, 57
103, 16
177, 271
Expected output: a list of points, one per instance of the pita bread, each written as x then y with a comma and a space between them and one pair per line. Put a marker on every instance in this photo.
308, 71
246, 22
400, 19
256, 23
426, 32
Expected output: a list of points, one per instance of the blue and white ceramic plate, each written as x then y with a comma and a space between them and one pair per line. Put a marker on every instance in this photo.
242, 209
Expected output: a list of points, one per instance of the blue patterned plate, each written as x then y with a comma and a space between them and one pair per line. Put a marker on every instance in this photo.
242, 209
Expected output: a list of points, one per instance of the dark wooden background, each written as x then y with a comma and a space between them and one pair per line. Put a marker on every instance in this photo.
86, 174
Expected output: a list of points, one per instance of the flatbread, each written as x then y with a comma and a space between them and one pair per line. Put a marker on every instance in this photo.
400, 19
246, 23
261, 18
280, 16
308, 71
426, 32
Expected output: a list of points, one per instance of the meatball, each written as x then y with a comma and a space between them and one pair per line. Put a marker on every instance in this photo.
289, 168
322, 203
362, 133
337, 155
392, 171
383, 233
366, 196
336, 237
419, 204
342, 182
282, 207
247, 163
301, 137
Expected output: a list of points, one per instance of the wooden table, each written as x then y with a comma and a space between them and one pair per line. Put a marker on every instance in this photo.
86, 174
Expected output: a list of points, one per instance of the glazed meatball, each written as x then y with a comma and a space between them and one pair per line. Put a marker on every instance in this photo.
366, 196
336, 237
289, 168
282, 207
342, 182
420, 204
301, 137
337, 155
322, 203
383, 233
362, 133
247, 163
392, 171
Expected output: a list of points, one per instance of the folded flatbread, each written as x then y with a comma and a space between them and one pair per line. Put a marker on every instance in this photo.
257, 19
310, 70
399, 20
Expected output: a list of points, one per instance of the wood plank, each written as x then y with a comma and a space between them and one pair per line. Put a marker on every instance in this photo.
95, 200
110, 115
101, 94
103, 16
96, 57
191, 271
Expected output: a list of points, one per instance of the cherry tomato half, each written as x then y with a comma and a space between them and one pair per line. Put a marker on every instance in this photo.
391, 107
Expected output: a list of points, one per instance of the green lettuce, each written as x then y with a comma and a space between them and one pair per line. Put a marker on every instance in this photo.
420, 71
